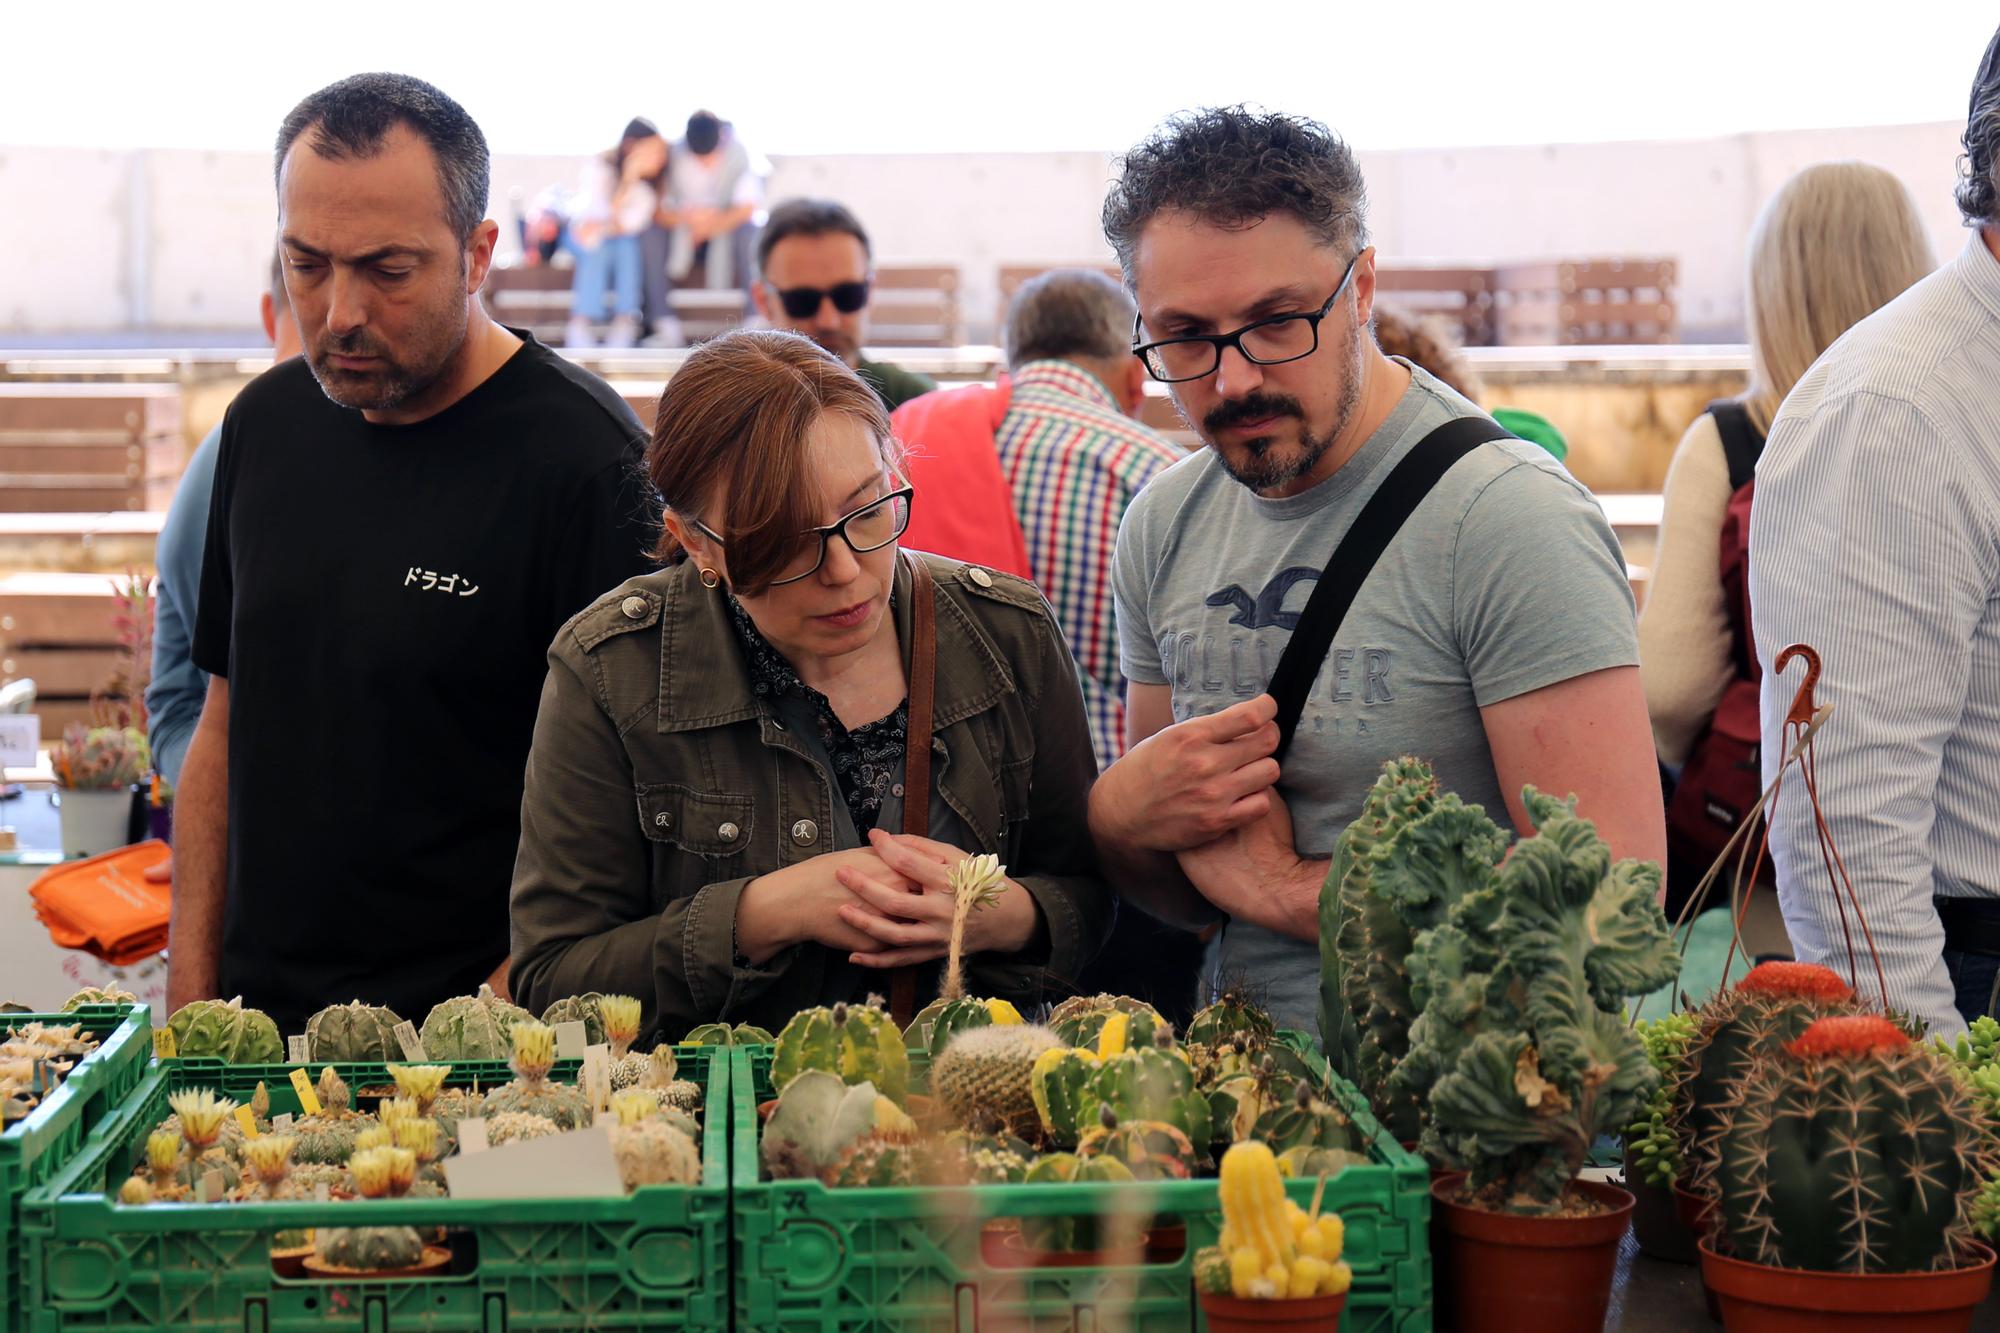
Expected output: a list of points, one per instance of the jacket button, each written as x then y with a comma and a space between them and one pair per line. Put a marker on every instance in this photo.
727, 831
634, 607
805, 833
979, 576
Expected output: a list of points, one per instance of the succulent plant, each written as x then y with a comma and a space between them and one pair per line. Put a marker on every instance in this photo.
471, 1027
819, 1119
620, 1015
579, 1009
1059, 1084
1520, 1049
858, 1042
1150, 1149
98, 995
353, 1033
1150, 1083
652, 1152
531, 1092
935, 1024
1653, 1152
1304, 1120
517, 1126
1231, 1014
659, 1075
985, 1077
1270, 1248
1399, 869
224, 1030
1080, 1020
99, 758
721, 1034
1849, 1149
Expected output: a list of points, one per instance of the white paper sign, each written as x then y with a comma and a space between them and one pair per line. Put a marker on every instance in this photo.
281, 1123
20, 740
211, 1185
472, 1134
578, 1164
295, 1049
571, 1038
406, 1037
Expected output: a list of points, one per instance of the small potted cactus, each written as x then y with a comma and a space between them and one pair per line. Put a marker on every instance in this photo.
1653, 1160
97, 772
375, 1252
1277, 1265
1845, 1174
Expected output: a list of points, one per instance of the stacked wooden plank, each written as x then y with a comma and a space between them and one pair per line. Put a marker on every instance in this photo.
89, 447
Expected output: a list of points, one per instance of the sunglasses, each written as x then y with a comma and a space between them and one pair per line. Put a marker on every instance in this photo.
803, 302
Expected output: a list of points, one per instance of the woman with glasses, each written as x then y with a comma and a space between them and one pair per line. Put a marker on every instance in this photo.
754, 769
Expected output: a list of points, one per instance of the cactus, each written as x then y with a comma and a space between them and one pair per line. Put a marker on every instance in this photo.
354, 1033
369, 1249
1398, 869
721, 1034
1520, 1049
939, 1021
1305, 1121
964, 1158
975, 884
1772, 1004
1058, 1085
518, 1126
1149, 1083
1112, 1229
471, 1027
874, 1162
328, 1138
1080, 1020
534, 1055
658, 1076
860, 1043
269, 1162
98, 995
1652, 1152
1149, 1149
985, 1077
652, 1152
1849, 1150
226, 1031
579, 1009
818, 1119
1305, 1163
1231, 1013
1271, 1249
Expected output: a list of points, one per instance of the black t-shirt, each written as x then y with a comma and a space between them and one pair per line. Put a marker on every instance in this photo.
381, 600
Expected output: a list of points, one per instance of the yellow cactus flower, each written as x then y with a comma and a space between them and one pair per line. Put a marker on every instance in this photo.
163, 1151
534, 1051
371, 1169
269, 1158
621, 1019
418, 1135
420, 1083
394, 1110
202, 1114
375, 1136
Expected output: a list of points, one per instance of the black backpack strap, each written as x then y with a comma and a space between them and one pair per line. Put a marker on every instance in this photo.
1742, 443
1354, 559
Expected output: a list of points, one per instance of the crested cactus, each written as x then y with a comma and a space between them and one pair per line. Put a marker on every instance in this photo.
1520, 1049
1399, 869
1851, 1150
353, 1033
1770, 1005
859, 1043
985, 1077
531, 1091
224, 1030
471, 1027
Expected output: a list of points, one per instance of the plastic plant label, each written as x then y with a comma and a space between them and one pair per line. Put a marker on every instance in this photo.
211, 1187
472, 1135
320, 1192
578, 1164
282, 1122
295, 1049
20, 739
248, 1119
308, 1099
406, 1037
571, 1038
163, 1044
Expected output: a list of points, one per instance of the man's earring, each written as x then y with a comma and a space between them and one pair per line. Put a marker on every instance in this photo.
709, 578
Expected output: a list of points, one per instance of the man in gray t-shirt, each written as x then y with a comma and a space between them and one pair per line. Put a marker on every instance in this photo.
1494, 638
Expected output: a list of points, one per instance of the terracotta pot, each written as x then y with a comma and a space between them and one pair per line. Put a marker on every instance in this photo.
1011, 1251
291, 1262
1693, 1210
1757, 1298
1166, 1245
436, 1257
1504, 1273
993, 1242
1230, 1314
1657, 1225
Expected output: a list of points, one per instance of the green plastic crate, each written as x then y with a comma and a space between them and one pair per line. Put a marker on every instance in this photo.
655, 1259
35, 1148
810, 1259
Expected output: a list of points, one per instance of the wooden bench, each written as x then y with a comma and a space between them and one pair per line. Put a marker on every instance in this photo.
1582, 302
89, 447
537, 299
57, 629
914, 305
1462, 294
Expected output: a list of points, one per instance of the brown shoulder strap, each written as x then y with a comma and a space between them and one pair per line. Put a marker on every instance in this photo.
921, 667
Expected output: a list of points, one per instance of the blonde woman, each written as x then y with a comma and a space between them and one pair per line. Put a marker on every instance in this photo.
1838, 241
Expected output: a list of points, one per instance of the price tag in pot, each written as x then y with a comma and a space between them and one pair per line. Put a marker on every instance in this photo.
211, 1186
472, 1135
20, 740
163, 1044
594, 1080
248, 1119
295, 1049
308, 1099
571, 1038
406, 1037
282, 1122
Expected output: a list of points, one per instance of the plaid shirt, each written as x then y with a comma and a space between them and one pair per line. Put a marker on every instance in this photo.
1074, 461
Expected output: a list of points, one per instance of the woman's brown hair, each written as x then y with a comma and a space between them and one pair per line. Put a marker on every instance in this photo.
736, 416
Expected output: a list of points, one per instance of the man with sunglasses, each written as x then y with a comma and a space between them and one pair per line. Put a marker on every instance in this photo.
814, 271
1494, 636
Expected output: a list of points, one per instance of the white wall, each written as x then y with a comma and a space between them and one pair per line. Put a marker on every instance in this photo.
177, 239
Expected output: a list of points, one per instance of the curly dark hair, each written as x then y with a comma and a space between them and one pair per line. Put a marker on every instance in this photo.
1979, 166
1232, 166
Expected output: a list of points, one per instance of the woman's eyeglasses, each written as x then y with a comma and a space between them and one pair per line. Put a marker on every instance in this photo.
868, 528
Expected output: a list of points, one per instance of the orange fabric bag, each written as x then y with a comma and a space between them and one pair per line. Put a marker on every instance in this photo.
105, 906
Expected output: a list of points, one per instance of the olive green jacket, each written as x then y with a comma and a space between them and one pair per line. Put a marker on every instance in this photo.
659, 785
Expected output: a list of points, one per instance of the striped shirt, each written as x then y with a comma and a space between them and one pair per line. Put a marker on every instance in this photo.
1875, 538
1073, 461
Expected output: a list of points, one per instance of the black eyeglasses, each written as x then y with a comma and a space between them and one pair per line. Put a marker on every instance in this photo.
1267, 342
803, 302
869, 528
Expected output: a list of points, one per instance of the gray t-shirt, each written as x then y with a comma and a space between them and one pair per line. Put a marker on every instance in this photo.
1505, 579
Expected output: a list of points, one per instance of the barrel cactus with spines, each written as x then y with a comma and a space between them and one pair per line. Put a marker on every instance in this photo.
985, 1077
1849, 1150
1232, 1013
1149, 1083
1112, 1228
579, 1009
224, 1030
98, 995
1150, 1149
472, 1027
857, 1042
352, 1034
1770, 1005
1060, 1085
939, 1021
1305, 1121
1080, 1020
